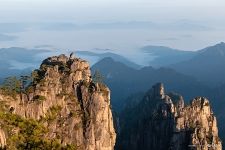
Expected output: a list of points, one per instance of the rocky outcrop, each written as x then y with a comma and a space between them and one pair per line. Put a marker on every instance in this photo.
162, 122
196, 126
62, 96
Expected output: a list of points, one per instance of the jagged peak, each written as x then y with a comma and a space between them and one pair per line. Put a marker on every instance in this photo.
66, 68
177, 99
177, 126
200, 101
70, 62
158, 90
62, 58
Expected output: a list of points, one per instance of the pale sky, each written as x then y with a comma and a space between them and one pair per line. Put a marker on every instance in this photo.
182, 24
112, 10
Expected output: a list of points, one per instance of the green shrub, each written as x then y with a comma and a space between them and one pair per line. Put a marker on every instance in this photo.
53, 113
98, 77
39, 98
30, 134
11, 86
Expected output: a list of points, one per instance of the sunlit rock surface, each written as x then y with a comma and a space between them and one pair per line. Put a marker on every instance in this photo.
82, 113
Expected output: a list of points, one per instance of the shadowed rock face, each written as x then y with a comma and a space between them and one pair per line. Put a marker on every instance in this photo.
83, 116
162, 122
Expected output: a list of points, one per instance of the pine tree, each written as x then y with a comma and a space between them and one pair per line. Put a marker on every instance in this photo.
98, 77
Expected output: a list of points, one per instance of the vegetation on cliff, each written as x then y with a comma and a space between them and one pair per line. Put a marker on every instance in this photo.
25, 133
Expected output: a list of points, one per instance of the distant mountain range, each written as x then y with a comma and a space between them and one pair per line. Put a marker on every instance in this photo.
17, 61
165, 56
124, 80
177, 25
187, 25
207, 66
103, 55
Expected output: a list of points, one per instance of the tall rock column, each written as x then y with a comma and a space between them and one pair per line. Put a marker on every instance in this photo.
63, 99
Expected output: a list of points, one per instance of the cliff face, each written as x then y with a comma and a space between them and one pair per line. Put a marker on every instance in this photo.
62, 97
162, 121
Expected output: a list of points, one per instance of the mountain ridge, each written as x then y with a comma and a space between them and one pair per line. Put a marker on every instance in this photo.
124, 81
207, 66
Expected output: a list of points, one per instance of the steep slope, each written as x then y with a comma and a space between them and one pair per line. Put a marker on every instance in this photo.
207, 66
219, 95
160, 56
124, 81
162, 121
62, 100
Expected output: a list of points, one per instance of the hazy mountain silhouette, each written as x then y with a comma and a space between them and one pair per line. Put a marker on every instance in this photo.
19, 54
16, 61
124, 81
114, 56
207, 66
187, 25
164, 56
